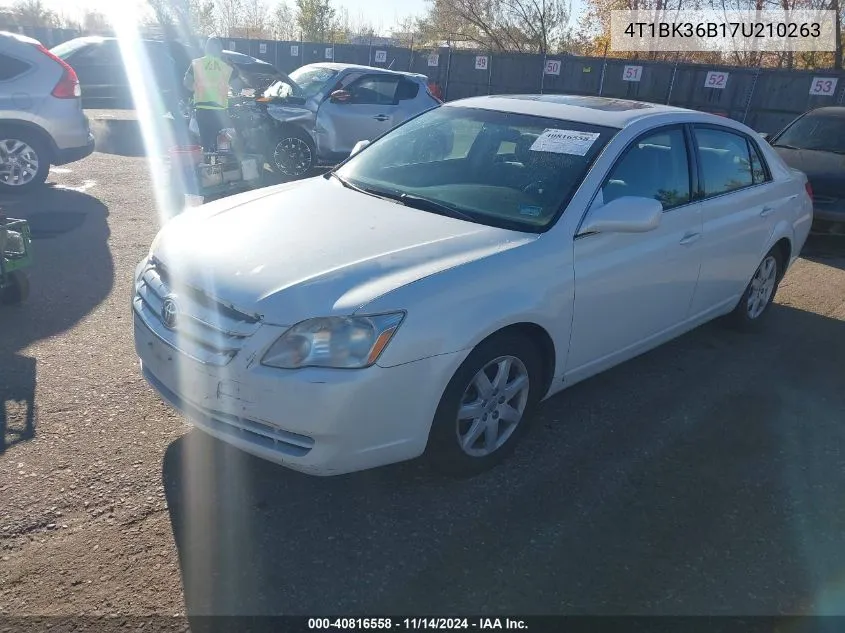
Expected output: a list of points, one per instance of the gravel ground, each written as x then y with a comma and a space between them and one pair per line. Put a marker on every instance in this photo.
702, 478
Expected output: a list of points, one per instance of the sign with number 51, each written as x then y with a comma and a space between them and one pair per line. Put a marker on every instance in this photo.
632, 73
823, 86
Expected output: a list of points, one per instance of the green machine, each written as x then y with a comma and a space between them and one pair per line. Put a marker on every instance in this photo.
15, 256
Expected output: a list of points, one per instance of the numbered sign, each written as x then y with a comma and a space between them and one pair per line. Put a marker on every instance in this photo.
294, 50
329, 53
481, 62
552, 67
825, 86
231, 45
632, 73
434, 59
716, 79
262, 48
381, 57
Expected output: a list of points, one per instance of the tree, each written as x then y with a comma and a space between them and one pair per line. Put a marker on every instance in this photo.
34, 13
282, 23
529, 26
256, 20
316, 19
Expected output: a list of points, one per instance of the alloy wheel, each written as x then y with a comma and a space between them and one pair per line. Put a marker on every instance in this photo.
492, 406
762, 287
292, 156
19, 163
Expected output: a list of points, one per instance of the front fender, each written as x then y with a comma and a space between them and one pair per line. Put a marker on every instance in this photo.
454, 310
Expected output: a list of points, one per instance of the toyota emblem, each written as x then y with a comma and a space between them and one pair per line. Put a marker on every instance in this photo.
169, 312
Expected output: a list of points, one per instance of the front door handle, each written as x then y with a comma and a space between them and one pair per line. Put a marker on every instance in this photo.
766, 212
689, 238
381, 117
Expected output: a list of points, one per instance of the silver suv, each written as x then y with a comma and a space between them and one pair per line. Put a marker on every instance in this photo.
326, 108
41, 118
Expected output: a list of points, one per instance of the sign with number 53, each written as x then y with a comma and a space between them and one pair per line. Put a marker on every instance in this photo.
823, 86
716, 79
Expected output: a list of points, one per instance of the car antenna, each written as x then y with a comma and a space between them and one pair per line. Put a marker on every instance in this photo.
391, 63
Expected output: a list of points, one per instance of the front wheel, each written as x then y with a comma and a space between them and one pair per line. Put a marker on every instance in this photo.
293, 155
484, 409
760, 292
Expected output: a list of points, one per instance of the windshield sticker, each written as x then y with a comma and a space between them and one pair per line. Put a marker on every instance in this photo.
532, 211
565, 142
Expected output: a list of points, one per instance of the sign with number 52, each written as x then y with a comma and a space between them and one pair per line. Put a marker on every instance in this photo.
823, 86
632, 73
716, 79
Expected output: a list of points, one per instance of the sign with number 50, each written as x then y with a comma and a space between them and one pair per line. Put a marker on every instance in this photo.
552, 67
823, 86
716, 79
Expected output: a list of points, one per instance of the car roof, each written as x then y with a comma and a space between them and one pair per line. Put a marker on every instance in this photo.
606, 111
21, 39
834, 111
339, 66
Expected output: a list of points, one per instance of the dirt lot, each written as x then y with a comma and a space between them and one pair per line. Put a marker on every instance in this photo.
704, 477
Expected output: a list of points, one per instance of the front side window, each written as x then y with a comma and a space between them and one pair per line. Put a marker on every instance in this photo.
725, 161
503, 169
374, 89
655, 166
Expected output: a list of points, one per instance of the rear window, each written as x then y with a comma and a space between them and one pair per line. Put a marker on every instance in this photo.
11, 67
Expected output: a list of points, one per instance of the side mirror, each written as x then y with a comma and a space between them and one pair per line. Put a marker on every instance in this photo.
340, 96
628, 214
764, 135
358, 147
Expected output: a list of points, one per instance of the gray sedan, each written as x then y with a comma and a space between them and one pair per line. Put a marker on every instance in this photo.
327, 108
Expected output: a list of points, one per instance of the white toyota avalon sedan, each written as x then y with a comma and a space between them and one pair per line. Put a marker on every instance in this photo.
427, 294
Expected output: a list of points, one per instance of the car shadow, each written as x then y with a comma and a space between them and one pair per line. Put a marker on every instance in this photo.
825, 249
71, 275
701, 478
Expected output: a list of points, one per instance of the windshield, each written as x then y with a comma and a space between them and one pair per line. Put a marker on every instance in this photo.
311, 79
279, 90
510, 170
816, 132
65, 50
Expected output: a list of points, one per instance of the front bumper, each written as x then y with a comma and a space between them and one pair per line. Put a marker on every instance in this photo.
317, 421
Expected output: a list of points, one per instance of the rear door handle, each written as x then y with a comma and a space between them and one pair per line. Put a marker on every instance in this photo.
689, 238
380, 117
766, 212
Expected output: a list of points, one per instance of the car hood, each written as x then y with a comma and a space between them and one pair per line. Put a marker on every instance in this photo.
315, 248
824, 170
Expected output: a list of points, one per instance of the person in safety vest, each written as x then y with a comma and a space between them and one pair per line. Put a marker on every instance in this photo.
208, 78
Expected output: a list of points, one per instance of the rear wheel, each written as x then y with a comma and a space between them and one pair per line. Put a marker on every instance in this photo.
760, 292
24, 161
293, 155
484, 409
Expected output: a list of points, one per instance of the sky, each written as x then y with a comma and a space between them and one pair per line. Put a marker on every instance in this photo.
382, 14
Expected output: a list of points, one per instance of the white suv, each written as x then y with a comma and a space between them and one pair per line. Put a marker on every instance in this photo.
41, 117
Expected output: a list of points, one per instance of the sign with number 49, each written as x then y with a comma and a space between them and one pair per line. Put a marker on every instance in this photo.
481, 62
632, 73
823, 86
716, 79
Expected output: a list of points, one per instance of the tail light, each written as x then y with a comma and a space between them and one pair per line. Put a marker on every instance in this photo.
809, 189
68, 86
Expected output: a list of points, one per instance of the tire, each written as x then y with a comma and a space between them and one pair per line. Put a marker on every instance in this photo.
16, 290
445, 452
24, 147
753, 307
293, 155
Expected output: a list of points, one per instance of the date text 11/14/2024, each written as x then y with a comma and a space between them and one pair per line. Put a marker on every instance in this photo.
413, 624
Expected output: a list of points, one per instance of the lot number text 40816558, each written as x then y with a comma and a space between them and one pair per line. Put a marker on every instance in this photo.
413, 624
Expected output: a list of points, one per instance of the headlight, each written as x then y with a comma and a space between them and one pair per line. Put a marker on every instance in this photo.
339, 342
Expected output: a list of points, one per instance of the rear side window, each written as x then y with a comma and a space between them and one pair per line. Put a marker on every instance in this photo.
759, 171
407, 90
11, 67
726, 161
655, 166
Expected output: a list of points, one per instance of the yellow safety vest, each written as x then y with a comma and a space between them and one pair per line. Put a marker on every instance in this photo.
211, 83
